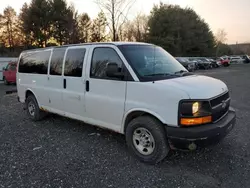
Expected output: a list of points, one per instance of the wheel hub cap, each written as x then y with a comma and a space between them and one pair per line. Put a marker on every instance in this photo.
143, 141
31, 108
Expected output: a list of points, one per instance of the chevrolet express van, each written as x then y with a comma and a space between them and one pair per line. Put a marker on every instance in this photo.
135, 89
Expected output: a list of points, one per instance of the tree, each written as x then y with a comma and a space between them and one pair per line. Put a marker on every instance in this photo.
136, 30
72, 26
25, 25
99, 28
116, 11
221, 36
221, 47
59, 17
84, 27
40, 21
9, 28
180, 31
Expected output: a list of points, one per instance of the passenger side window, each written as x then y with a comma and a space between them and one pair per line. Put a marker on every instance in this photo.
34, 62
74, 62
56, 62
102, 56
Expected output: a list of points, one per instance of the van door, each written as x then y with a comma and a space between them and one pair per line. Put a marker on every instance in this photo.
55, 80
105, 96
73, 82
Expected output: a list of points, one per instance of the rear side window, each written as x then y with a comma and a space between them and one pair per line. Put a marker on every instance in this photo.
57, 61
74, 62
34, 62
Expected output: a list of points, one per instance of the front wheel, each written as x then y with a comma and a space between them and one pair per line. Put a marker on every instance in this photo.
33, 109
147, 140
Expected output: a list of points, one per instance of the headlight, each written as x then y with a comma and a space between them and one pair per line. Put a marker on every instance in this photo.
195, 107
194, 112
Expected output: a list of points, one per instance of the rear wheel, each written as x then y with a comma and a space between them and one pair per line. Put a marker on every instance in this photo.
33, 109
146, 139
5, 81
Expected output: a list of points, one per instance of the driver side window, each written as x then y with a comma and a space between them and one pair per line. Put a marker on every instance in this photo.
101, 57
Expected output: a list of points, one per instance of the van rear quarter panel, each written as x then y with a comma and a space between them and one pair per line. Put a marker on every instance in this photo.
158, 100
37, 83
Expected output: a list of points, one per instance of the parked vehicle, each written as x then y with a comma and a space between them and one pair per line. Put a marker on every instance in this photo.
158, 106
214, 63
246, 59
203, 63
190, 66
236, 59
224, 61
193, 60
9, 73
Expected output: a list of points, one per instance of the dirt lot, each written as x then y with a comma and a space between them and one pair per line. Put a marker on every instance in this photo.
61, 152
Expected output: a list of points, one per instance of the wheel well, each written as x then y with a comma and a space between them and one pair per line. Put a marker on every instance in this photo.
28, 93
136, 114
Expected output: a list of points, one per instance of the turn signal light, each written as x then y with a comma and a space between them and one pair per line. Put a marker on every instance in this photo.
196, 121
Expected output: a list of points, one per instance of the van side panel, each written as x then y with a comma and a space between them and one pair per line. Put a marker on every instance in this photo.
149, 97
33, 75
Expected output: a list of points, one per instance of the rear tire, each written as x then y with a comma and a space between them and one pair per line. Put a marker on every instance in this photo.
5, 81
33, 109
147, 140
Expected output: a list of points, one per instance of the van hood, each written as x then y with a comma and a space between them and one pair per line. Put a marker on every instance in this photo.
197, 86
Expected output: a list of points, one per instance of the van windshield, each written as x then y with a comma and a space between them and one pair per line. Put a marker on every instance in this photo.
152, 63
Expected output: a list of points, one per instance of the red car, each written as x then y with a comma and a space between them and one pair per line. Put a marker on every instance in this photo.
9, 73
224, 61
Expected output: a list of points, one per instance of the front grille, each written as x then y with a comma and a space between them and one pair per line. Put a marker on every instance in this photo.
216, 101
220, 106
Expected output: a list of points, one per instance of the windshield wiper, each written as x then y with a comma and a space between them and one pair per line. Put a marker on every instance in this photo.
160, 74
180, 72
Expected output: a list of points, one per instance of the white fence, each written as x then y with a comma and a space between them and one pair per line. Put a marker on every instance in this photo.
3, 63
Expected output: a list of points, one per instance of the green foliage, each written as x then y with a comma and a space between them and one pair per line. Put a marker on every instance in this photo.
59, 17
25, 25
39, 21
180, 31
72, 26
223, 49
53, 22
84, 27
99, 28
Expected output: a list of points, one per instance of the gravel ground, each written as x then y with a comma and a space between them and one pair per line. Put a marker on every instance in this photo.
58, 152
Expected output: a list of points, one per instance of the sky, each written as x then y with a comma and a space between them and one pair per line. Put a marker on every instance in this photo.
231, 15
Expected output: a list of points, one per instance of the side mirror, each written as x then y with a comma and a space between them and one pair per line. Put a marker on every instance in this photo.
113, 71
4, 68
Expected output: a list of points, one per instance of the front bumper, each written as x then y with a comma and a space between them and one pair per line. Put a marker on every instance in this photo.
189, 138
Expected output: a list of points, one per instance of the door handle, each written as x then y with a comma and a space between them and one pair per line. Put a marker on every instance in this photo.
64, 83
87, 85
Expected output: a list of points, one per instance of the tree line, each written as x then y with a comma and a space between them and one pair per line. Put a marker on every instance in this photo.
43, 23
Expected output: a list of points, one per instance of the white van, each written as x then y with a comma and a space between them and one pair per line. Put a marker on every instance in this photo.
136, 89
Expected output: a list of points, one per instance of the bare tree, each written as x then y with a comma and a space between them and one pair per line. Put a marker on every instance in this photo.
136, 29
221, 38
116, 11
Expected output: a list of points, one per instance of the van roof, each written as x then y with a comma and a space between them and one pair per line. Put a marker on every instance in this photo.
93, 43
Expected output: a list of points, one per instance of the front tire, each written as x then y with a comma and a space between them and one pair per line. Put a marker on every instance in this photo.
147, 140
33, 109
